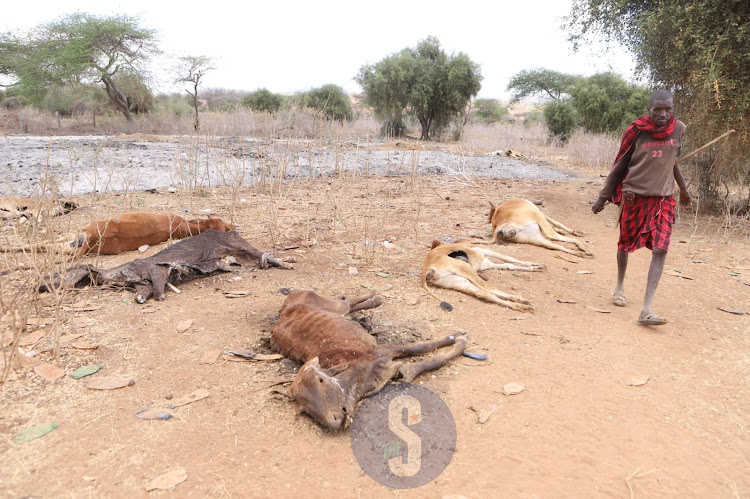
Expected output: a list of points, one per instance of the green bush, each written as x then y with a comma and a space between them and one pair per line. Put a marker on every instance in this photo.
175, 104
561, 119
330, 100
12, 103
263, 100
489, 110
606, 103
532, 117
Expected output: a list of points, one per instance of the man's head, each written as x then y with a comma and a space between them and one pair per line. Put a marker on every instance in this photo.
660, 106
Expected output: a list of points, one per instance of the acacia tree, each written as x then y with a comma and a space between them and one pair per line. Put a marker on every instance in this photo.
192, 69
78, 48
423, 82
699, 50
540, 82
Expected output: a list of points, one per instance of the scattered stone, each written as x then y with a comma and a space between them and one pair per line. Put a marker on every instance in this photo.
183, 326
513, 388
637, 381
48, 371
210, 356
109, 382
167, 481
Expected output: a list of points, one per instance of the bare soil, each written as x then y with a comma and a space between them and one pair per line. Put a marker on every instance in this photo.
578, 429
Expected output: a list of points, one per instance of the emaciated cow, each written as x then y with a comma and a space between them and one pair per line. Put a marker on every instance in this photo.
342, 362
456, 266
12, 207
128, 232
198, 256
520, 221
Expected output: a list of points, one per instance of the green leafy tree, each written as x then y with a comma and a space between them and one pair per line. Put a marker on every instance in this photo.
489, 110
330, 100
263, 100
78, 48
540, 83
561, 118
697, 49
606, 103
423, 82
190, 70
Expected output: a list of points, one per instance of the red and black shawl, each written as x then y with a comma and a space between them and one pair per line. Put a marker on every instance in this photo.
642, 124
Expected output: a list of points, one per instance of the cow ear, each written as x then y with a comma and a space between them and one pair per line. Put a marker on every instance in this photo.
492, 212
435, 243
334, 370
314, 362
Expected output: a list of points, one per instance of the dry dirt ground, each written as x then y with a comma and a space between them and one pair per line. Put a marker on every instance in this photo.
578, 429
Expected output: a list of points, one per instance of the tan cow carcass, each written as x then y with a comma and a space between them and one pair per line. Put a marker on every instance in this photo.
521, 221
456, 266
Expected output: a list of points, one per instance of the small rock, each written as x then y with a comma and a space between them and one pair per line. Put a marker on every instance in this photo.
143, 248
183, 326
353, 271
513, 388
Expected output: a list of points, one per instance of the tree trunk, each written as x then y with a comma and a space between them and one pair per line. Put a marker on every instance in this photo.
117, 97
196, 124
425, 129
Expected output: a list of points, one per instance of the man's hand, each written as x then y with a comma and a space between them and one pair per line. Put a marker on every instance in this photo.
600, 202
685, 199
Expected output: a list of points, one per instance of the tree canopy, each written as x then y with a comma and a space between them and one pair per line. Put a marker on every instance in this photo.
423, 82
606, 103
329, 99
543, 83
263, 100
700, 50
191, 69
78, 49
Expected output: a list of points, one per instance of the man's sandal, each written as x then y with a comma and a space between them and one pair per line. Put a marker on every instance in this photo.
619, 301
651, 319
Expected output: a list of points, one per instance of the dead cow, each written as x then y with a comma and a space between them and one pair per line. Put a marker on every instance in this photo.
198, 256
342, 362
520, 221
128, 232
12, 207
456, 266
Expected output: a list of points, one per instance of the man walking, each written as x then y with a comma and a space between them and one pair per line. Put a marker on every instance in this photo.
642, 179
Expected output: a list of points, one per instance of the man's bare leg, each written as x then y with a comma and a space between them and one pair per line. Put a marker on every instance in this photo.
658, 258
622, 266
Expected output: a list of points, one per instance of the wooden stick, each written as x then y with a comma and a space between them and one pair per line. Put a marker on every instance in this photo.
730, 132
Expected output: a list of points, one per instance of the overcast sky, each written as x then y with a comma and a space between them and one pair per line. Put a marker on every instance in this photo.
288, 46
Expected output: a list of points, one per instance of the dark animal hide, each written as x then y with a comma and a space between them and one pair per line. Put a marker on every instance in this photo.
198, 256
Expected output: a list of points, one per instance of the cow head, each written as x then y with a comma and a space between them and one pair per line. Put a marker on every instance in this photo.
507, 232
321, 395
213, 223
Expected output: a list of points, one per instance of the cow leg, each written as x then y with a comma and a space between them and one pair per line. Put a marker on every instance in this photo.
158, 276
464, 285
509, 297
371, 302
409, 371
560, 227
511, 263
420, 348
577, 243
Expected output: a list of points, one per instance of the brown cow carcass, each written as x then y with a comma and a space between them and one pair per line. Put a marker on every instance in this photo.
128, 232
199, 256
342, 363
